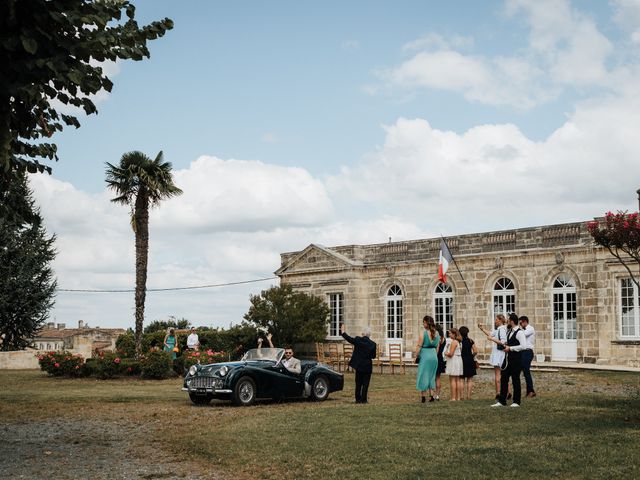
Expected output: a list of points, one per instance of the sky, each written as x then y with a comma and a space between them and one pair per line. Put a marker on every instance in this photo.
289, 123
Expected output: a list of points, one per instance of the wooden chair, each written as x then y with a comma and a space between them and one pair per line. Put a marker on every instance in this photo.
347, 351
334, 355
378, 362
395, 357
320, 352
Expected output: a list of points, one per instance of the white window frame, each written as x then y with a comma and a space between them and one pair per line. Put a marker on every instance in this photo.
635, 310
503, 293
568, 289
336, 313
443, 305
394, 313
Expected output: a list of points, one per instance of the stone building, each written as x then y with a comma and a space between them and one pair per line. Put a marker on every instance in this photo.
580, 300
58, 337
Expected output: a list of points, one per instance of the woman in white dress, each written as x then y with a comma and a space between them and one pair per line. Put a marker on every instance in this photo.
454, 364
498, 336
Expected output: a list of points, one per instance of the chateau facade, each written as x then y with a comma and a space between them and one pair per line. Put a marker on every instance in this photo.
581, 301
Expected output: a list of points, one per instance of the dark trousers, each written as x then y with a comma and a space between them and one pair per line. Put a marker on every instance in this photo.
527, 357
362, 386
511, 372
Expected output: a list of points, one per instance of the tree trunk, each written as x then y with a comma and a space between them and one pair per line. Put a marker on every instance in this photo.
142, 252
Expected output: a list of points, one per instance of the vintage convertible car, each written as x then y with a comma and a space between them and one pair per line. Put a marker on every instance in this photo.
260, 374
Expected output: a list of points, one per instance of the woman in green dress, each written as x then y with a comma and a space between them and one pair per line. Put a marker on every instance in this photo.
170, 342
427, 350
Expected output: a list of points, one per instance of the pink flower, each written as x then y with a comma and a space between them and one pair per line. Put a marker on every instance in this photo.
56, 365
116, 360
129, 369
77, 367
197, 354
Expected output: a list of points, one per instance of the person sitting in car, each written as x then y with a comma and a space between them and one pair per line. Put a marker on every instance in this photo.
289, 362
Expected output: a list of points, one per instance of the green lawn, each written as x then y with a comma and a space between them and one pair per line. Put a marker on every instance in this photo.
582, 425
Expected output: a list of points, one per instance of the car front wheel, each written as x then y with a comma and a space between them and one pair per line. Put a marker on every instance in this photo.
199, 399
320, 389
245, 392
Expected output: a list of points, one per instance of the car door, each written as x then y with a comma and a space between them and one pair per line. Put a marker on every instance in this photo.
283, 383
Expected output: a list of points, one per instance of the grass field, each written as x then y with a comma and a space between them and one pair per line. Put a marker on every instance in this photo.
582, 425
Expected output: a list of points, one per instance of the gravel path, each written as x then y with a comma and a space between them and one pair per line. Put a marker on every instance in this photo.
87, 448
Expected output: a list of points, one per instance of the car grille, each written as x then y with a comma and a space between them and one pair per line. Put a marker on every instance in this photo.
206, 382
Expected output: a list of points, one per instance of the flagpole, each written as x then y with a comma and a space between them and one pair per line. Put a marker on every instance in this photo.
455, 263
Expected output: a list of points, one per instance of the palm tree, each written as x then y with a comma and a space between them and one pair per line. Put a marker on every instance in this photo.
141, 183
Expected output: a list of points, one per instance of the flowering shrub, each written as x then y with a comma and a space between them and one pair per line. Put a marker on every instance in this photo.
155, 364
107, 365
620, 234
61, 364
205, 357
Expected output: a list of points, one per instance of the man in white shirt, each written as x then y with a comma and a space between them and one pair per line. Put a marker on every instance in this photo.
289, 362
512, 365
527, 355
193, 342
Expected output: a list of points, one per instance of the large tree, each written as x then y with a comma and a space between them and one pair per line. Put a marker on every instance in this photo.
27, 284
290, 316
141, 183
51, 53
619, 233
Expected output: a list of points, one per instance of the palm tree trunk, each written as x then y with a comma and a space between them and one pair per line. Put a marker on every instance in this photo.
142, 252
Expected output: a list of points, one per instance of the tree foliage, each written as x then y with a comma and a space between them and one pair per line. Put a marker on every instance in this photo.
141, 183
51, 54
162, 325
620, 234
27, 283
290, 316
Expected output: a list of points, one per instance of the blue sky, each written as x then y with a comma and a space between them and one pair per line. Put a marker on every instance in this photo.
333, 122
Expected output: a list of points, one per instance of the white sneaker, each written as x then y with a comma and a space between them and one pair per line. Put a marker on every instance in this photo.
515, 405
497, 404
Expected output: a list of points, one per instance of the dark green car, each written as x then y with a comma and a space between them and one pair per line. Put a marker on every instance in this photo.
260, 374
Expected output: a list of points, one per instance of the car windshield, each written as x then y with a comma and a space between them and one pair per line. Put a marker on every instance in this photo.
273, 354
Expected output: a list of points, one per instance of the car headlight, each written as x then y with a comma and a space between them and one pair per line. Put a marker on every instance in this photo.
223, 371
193, 370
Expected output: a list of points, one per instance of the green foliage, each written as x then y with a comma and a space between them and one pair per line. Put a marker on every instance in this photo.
27, 284
107, 365
61, 364
155, 365
141, 183
620, 234
51, 51
162, 325
130, 366
291, 317
125, 345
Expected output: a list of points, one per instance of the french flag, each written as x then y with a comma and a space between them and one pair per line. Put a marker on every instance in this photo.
445, 260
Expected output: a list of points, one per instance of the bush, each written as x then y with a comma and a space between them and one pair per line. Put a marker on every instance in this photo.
209, 356
61, 364
108, 365
156, 364
130, 366
126, 345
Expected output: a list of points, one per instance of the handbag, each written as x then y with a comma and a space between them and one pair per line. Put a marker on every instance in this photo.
418, 359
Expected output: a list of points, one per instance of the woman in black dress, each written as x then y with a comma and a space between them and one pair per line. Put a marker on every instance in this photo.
442, 365
469, 351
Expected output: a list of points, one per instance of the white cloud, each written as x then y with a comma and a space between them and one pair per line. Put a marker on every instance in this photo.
565, 50
240, 195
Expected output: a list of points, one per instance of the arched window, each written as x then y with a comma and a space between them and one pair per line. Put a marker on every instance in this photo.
394, 312
564, 308
443, 305
504, 297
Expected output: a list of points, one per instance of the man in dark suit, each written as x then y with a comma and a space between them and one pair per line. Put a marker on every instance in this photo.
364, 350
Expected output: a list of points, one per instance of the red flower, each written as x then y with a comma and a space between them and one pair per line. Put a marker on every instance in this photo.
56, 365
116, 360
129, 369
